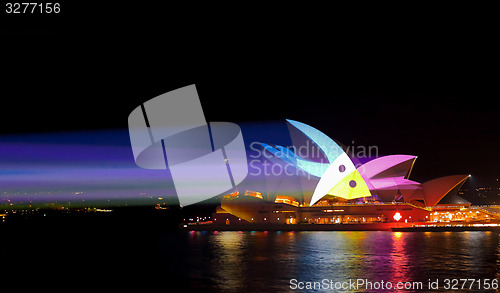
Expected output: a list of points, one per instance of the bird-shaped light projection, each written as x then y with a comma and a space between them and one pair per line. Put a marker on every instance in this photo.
338, 177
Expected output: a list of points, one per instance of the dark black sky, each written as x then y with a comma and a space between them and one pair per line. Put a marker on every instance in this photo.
425, 91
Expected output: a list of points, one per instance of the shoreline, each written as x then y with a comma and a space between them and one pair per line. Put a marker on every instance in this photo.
289, 227
401, 227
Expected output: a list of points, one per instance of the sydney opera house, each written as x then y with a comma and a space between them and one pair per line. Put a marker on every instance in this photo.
391, 191
378, 192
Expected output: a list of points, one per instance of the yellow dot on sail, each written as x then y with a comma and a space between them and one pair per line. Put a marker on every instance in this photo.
351, 186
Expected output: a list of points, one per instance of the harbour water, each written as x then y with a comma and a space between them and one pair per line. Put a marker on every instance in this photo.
245, 261
268, 261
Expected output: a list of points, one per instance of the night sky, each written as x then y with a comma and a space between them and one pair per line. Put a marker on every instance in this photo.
418, 80
430, 97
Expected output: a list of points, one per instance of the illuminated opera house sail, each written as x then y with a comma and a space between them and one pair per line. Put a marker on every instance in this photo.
336, 191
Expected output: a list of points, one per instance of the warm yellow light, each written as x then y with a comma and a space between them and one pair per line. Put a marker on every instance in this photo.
351, 186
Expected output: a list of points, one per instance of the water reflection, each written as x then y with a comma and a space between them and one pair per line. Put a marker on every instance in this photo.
266, 261
401, 271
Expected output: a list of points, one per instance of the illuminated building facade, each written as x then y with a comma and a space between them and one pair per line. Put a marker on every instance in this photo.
373, 192
391, 192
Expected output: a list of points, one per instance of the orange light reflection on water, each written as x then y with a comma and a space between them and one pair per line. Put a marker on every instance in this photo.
399, 259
